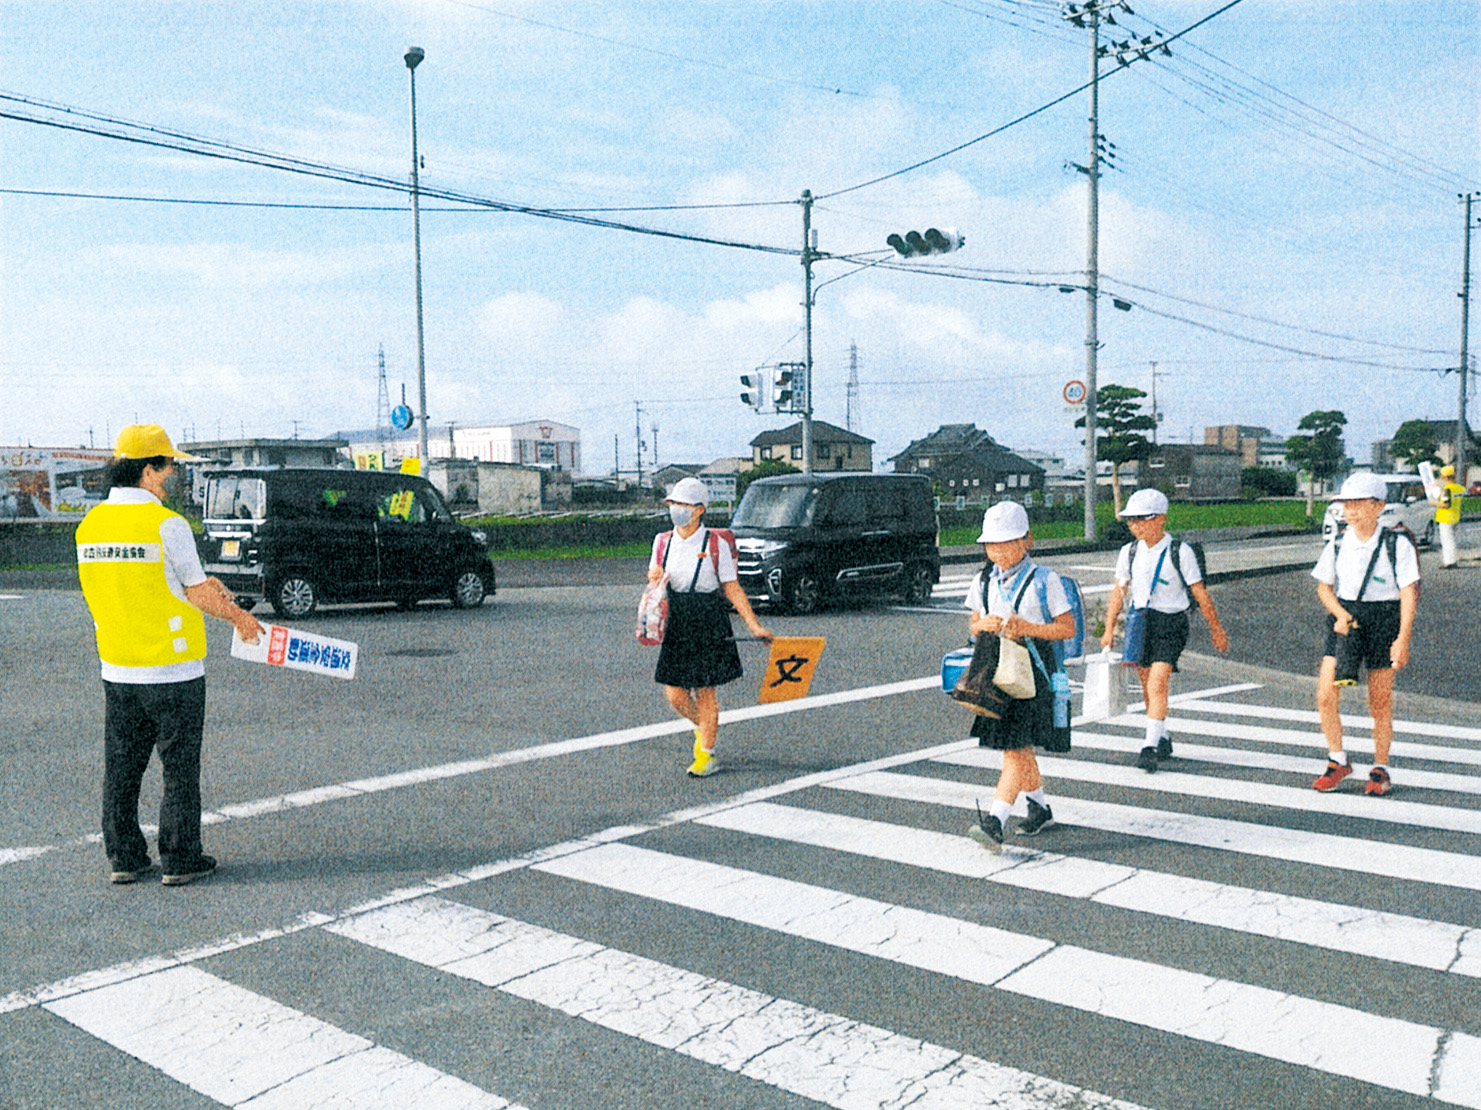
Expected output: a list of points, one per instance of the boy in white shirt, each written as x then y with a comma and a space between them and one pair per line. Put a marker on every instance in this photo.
1369, 585
1164, 582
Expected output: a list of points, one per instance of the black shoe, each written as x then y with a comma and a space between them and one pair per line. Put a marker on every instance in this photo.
1164, 748
127, 874
1146, 759
1039, 818
989, 834
198, 868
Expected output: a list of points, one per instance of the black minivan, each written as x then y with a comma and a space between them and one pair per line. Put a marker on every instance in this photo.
302, 536
808, 539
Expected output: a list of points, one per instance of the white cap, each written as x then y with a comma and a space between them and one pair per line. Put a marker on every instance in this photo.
1004, 522
1145, 502
1363, 487
689, 491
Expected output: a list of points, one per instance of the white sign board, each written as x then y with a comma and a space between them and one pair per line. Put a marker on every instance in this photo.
299, 651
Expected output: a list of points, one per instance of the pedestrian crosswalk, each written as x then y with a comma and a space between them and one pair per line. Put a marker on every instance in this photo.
1217, 934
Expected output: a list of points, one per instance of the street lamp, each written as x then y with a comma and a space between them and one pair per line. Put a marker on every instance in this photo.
414, 55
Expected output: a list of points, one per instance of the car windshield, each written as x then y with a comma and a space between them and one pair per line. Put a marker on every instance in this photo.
236, 498
782, 506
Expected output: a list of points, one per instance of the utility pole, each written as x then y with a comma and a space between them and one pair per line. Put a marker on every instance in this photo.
851, 412
809, 253
382, 407
638, 438
1461, 468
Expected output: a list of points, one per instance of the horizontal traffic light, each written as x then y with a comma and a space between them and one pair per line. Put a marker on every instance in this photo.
931, 241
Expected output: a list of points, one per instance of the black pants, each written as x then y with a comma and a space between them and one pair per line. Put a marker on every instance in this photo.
138, 719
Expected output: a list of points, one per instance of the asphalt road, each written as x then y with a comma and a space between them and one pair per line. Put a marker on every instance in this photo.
512, 773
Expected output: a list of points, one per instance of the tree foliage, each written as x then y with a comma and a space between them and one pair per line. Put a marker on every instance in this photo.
1267, 481
1415, 443
1320, 451
1119, 424
767, 468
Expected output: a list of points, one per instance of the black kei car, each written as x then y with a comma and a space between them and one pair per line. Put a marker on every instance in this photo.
299, 537
805, 540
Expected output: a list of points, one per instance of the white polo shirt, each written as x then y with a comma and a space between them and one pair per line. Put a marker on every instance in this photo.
1169, 594
684, 554
1344, 562
1002, 587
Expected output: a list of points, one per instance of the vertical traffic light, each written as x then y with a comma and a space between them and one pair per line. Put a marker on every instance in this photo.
751, 390
781, 388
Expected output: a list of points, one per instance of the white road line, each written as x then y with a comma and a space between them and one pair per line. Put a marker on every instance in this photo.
825, 1057
1345, 804
1320, 1035
1418, 942
575, 746
1309, 716
1311, 765
1263, 734
245, 1050
1375, 857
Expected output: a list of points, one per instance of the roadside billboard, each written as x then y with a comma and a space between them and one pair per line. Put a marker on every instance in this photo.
50, 483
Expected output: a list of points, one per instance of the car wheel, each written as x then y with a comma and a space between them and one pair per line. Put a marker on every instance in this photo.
918, 583
469, 589
1428, 539
804, 594
295, 596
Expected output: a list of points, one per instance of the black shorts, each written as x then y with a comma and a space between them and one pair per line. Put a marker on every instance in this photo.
1376, 631
1167, 636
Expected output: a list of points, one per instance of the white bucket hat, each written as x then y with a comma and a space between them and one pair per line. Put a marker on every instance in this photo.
1004, 522
1363, 487
689, 491
1145, 502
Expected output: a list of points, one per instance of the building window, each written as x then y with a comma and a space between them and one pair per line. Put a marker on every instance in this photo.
924, 464
951, 483
824, 452
976, 482
1183, 481
797, 452
1157, 463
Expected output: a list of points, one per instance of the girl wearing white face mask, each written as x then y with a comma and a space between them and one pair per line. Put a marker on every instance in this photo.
698, 652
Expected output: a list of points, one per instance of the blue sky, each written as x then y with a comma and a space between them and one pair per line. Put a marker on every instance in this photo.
1282, 214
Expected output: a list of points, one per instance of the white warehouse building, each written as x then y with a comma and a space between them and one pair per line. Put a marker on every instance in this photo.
548, 444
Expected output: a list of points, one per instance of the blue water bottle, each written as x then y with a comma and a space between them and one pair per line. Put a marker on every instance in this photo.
1059, 684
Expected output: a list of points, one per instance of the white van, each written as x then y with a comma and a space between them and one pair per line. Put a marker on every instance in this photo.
1406, 505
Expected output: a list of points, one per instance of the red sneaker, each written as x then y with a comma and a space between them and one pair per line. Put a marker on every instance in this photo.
1378, 782
1336, 772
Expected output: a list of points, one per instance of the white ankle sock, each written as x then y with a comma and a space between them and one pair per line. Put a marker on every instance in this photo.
1038, 797
1000, 810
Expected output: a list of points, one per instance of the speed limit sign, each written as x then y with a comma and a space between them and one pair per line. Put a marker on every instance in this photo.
1074, 393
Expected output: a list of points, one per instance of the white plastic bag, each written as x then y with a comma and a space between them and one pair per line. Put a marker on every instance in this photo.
1105, 690
653, 611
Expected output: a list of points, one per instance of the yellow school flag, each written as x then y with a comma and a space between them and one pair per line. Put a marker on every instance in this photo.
790, 667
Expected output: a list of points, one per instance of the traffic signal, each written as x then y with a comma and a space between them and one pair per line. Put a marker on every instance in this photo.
751, 390
781, 392
931, 241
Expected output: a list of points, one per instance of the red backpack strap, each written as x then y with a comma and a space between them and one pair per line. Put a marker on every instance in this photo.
663, 548
716, 535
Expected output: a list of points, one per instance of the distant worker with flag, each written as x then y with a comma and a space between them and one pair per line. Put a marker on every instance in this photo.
1449, 496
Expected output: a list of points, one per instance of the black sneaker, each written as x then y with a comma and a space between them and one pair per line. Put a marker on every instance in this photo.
124, 874
988, 833
1146, 759
198, 868
1164, 748
1039, 818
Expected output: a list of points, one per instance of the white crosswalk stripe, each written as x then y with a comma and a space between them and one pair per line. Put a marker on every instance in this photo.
791, 862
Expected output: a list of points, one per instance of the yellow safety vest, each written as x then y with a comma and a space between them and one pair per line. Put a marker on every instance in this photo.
1448, 510
120, 561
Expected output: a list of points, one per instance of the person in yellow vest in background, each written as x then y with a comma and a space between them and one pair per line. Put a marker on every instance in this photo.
143, 582
1447, 514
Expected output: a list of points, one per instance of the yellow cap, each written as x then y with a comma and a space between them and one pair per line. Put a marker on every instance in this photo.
147, 441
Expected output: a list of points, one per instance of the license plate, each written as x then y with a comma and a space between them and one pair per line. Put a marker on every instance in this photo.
231, 549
